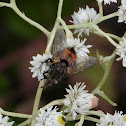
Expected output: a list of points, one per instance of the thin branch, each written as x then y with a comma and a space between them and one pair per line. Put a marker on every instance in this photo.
96, 113
3, 4
108, 16
13, 6
25, 122
50, 42
60, 9
90, 24
70, 118
103, 95
105, 35
68, 32
55, 102
37, 99
13, 114
109, 34
106, 74
100, 9
80, 123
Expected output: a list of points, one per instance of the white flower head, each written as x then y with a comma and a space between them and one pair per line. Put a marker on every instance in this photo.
78, 100
84, 16
4, 121
39, 65
118, 119
79, 47
107, 1
50, 117
121, 51
122, 12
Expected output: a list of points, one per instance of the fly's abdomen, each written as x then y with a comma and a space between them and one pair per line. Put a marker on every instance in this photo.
67, 54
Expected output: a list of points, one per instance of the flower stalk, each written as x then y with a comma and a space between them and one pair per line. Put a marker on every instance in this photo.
13, 114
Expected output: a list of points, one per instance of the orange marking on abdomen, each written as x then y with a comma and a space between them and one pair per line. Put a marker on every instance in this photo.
67, 54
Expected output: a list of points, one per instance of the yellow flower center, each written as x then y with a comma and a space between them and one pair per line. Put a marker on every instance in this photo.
124, 118
61, 120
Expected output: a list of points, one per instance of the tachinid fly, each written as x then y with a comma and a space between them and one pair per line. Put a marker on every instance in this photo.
65, 61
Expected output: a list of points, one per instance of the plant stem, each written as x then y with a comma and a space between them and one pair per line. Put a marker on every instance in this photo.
13, 6
50, 42
2, 4
103, 95
105, 35
68, 32
70, 118
60, 9
109, 34
80, 123
102, 82
114, 36
13, 114
106, 74
37, 99
25, 122
56, 102
100, 9
90, 24
108, 16
96, 113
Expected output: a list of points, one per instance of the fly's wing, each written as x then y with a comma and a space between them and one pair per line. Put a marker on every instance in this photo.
59, 42
81, 64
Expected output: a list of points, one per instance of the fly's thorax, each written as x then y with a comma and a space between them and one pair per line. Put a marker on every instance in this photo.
57, 70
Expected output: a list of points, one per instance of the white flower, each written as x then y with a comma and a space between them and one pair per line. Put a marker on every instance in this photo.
79, 47
84, 16
39, 65
107, 1
4, 121
118, 119
50, 117
122, 12
78, 100
121, 51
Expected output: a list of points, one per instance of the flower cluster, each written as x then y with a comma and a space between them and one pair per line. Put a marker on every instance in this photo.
79, 47
121, 51
84, 16
78, 100
107, 1
39, 65
118, 119
50, 117
4, 121
122, 12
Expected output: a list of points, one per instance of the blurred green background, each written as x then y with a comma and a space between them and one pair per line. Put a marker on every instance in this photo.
20, 41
